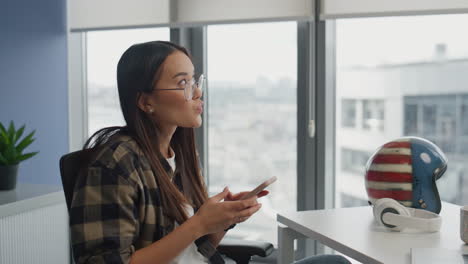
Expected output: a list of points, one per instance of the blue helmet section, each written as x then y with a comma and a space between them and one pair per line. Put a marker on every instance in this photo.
429, 164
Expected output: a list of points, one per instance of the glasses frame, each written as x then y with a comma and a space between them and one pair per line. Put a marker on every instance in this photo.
189, 95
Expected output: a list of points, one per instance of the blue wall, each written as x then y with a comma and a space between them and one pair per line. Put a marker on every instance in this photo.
33, 81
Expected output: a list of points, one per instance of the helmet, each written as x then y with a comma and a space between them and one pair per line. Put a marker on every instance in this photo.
406, 170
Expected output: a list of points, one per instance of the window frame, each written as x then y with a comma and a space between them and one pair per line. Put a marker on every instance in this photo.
77, 91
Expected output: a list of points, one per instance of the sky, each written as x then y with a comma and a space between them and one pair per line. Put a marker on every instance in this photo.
371, 41
243, 52
230, 56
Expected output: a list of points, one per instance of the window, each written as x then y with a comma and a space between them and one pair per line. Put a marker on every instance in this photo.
411, 119
429, 117
439, 114
411, 72
464, 116
252, 117
104, 49
352, 160
348, 113
373, 115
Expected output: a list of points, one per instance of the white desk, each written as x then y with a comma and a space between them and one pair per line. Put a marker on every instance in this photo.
352, 231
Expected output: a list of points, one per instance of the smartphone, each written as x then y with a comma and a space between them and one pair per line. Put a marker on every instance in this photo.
259, 188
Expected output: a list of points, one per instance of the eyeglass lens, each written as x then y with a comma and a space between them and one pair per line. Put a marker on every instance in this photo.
190, 88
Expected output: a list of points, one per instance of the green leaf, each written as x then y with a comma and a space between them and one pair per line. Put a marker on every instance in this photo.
2, 128
3, 161
10, 154
4, 137
10, 151
26, 156
25, 142
11, 132
19, 133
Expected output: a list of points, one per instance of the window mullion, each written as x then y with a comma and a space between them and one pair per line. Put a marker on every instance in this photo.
194, 39
77, 91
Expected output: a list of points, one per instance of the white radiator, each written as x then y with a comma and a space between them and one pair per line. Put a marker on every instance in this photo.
38, 236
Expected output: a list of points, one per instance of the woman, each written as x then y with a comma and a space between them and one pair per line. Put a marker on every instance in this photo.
141, 197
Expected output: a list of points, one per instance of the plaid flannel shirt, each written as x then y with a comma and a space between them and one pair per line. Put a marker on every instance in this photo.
116, 206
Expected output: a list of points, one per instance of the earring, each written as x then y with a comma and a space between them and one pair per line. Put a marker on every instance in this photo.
151, 110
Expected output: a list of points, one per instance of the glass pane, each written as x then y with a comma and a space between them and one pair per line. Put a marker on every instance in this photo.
429, 117
411, 119
348, 113
252, 117
407, 76
373, 117
464, 116
104, 49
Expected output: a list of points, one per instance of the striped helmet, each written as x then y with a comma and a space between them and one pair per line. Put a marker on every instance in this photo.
406, 170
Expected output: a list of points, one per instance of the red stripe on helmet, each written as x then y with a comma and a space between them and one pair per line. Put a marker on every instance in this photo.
398, 144
394, 194
383, 176
392, 159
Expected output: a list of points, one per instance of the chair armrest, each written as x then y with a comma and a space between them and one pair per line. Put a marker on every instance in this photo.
241, 250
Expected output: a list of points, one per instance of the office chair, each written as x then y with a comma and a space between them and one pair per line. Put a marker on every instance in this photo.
241, 251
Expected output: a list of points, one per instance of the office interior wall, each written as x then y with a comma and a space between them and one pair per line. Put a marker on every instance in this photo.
33, 81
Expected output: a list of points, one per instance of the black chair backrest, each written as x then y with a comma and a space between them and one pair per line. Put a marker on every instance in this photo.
70, 165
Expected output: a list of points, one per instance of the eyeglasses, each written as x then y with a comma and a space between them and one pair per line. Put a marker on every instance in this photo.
189, 87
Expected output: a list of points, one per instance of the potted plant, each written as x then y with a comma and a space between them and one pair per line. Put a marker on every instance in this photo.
11, 153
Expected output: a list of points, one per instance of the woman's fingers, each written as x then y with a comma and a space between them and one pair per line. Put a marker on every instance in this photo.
240, 211
236, 196
239, 195
243, 204
246, 213
262, 193
243, 219
220, 196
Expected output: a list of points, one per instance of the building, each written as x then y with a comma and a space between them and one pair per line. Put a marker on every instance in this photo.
428, 99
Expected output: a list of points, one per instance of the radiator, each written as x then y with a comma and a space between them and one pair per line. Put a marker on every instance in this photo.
37, 236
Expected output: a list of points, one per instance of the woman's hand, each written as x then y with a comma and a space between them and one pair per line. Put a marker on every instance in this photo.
237, 196
215, 216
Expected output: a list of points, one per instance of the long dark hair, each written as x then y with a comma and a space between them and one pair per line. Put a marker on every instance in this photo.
138, 70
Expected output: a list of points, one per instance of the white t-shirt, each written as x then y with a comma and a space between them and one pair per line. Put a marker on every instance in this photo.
189, 254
